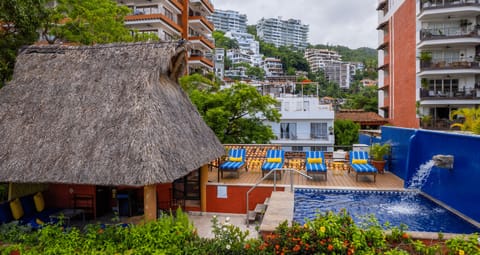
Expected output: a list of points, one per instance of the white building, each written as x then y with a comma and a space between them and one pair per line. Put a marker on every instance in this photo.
283, 32
227, 20
331, 63
219, 62
273, 67
305, 124
448, 74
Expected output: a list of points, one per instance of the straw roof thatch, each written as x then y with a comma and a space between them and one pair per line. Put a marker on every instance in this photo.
105, 115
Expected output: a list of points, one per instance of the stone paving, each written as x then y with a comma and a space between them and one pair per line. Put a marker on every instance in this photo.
203, 223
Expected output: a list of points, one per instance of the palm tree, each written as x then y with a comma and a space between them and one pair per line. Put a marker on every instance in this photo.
471, 119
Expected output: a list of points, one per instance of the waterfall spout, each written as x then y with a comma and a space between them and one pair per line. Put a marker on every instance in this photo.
443, 161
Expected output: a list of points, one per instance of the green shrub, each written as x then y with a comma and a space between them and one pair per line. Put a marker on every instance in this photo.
328, 233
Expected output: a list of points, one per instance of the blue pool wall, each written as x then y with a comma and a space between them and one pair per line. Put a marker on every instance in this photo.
457, 187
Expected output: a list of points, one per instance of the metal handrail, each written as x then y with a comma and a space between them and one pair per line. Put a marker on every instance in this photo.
291, 170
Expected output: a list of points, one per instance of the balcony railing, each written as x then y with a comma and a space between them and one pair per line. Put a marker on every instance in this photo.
437, 4
448, 64
439, 124
449, 33
427, 94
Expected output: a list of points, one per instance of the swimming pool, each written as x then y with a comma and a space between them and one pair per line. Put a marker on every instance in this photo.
396, 207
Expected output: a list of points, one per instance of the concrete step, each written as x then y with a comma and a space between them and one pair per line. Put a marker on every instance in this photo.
267, 200
260, 208
252, 215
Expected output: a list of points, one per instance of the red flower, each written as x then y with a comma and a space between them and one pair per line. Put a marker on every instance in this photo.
296, 248
330, 247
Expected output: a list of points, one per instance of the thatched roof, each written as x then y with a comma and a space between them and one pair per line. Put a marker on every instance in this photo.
105, 115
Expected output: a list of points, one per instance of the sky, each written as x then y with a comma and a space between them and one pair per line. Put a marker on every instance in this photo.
350, 23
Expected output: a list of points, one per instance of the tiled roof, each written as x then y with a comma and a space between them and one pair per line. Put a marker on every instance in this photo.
360, 116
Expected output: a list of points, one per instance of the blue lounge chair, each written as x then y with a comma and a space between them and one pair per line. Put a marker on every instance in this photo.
236, 160
274, 159
359, 162
315, 163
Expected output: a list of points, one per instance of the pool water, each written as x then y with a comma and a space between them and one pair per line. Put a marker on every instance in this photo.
396, 207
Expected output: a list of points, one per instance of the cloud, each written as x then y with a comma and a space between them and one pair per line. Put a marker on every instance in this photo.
350, 23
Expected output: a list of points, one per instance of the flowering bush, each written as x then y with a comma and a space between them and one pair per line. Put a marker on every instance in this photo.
337, 234
328, 233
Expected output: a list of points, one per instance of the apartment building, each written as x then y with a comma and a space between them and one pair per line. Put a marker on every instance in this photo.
273, 67
429, 54
397, 62
448, 46
219, 62
280, 32
330, 62
305, 125
175, 20
227, 20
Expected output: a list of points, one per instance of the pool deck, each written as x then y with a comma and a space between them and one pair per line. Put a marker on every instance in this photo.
335, 179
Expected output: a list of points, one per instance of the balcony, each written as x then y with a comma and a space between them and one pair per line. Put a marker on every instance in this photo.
200, 24
200, 61
151, 20
449, 64
445, 8
443, 36
201, 42
460, 94
177, 4
439, 4
203, 6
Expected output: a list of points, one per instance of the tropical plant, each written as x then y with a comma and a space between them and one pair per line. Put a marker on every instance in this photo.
471, 119
424, 82
426, 120
20, 20
327, 233
235, 114
346, 132
366, 99
379, 151
221, 41
90, 21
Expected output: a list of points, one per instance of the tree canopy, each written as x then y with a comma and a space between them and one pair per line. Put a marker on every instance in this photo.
346, 132
20, 20
366, 98
221, 41
235, 114
89, 22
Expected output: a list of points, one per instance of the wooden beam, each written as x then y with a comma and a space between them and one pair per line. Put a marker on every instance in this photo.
150, 202
203, 188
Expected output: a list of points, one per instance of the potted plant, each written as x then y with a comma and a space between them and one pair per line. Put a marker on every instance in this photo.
378, 152
425, 58
426, 121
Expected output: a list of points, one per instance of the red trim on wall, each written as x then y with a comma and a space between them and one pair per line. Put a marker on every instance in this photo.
236, 198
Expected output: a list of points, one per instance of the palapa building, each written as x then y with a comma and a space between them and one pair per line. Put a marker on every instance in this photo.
88, 121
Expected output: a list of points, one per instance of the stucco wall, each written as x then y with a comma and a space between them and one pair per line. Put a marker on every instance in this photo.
457, 187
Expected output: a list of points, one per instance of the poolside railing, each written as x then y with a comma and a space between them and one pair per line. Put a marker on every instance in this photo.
275, 170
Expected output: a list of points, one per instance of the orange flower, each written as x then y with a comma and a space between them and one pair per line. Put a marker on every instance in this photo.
277, 247
405, 236
330, 247
296, 248
247, 246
